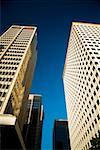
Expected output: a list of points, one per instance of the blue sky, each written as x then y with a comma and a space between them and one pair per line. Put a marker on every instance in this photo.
53, 19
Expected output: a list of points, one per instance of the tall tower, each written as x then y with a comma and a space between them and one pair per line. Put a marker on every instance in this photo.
17, 63
61, 135
34, 122
81, 79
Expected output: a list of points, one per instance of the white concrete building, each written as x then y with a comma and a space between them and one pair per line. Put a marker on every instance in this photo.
81, 78
18, 56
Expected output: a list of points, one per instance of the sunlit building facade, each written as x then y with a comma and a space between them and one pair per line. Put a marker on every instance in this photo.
18, 56
81, 78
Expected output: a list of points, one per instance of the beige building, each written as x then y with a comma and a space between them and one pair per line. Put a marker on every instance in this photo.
81, 78
18, 56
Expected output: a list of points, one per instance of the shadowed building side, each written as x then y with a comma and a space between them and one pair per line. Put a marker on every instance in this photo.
34, 122
61, 139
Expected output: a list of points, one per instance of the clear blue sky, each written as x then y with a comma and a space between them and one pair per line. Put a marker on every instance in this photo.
53, 20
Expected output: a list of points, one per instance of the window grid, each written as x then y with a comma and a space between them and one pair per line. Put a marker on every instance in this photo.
11, 59
81, 84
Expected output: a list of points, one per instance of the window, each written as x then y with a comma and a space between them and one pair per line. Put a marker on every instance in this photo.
92, 125
87, 118
96, 74
95, 106
93, 68
90, 62
87, 106
97, 88
91, 73
90, 128
89, 90
92, 97
92, 111
94, 93
90, 115
95, 121
94, 80
91, 85
98, 117
90, 102
98, 101
88, 131
96, 63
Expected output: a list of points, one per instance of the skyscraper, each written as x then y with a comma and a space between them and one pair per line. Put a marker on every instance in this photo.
34, 122
81, 79
18, 56
61, 135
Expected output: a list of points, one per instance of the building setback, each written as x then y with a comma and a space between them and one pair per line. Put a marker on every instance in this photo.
61, 139
81, 79
18, 56
34, 121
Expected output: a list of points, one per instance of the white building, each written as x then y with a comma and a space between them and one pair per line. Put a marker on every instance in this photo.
81, 79
18, 56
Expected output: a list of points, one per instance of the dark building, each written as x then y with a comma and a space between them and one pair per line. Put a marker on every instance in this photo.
10, 134
61, 135
33, 126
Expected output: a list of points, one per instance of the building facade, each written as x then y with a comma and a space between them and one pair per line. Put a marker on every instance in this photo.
81, 78
34, 122
18, 56
61, 139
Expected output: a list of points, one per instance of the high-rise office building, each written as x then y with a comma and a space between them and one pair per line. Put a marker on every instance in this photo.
34, 122
18, 56
81, 79
61, 139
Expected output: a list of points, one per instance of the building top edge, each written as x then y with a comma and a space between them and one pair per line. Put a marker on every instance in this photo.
85, 23
64, 120
32, 94
25, 26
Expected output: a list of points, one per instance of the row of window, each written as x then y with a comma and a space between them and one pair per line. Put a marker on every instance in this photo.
16, 45
9, 68
11, 58
15, 51
9, 63
20, 43
16, 55
4, 86
6, 73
